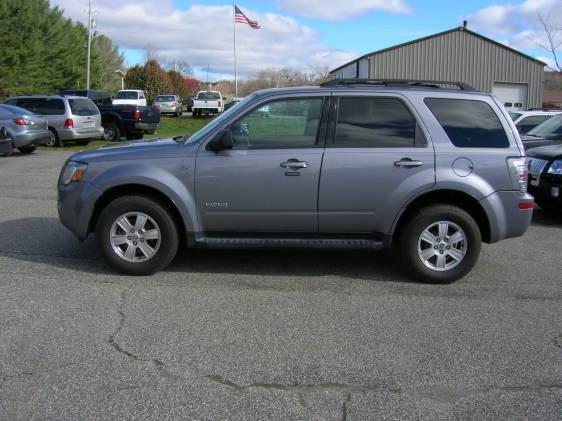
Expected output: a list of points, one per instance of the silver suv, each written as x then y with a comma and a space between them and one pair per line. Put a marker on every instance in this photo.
429, 171
70, 118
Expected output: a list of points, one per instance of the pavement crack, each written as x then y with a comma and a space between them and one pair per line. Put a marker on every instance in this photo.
558, 341
344, 407
158, 365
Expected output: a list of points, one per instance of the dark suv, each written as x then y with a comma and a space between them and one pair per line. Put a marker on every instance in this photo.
350, 164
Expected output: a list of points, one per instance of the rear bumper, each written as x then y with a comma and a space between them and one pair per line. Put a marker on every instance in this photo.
169, 110
207, 110
5, 146
506, 218
147, 126
79, 134
38, 137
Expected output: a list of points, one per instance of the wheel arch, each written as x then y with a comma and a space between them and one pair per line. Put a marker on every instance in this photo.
450, 197
138, 190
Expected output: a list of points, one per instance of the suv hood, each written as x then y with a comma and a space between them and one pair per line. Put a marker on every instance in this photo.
546, 152
136, 149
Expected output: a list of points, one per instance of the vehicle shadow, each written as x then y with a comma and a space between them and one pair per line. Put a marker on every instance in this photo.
46, 241
546, 218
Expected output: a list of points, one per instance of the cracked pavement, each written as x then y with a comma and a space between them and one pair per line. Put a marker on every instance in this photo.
267, 334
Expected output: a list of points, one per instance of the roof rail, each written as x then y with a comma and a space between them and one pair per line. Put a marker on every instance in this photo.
403, 83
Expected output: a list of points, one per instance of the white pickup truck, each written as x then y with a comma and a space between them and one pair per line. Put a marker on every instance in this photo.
130, 97
208, 102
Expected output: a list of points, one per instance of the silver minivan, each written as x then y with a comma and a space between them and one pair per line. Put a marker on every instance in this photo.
70, 118
169, 104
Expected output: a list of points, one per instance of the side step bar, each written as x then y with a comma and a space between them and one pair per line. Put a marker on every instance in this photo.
318, 243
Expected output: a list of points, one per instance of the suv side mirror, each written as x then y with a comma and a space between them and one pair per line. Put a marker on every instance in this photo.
222, 141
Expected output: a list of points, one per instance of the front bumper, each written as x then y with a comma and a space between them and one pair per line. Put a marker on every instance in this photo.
80, 134
35, 137
75, 205
549, 190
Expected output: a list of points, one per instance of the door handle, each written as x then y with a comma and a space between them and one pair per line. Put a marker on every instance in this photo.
294, 164
408, 163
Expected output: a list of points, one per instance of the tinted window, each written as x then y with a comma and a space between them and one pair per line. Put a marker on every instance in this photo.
82, 107
551, 128
514, 116
469, 123
165, 98
291, 123
43, 106
374, 122
127, 95
208, 95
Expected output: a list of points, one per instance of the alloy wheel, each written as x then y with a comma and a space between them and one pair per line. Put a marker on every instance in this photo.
442, 246
135, 237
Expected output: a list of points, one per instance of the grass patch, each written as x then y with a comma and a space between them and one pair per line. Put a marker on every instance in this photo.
169, 127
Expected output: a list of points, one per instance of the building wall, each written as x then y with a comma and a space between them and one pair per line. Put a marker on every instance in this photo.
456, 56
552, 89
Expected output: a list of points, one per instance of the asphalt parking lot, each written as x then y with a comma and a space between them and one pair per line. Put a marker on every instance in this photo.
267, 335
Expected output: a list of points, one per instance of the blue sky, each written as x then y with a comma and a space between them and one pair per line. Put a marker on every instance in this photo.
302, 34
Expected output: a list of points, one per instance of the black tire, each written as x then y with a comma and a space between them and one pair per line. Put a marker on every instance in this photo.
27, 149
168, 245
8, 153
54, 140
111, 132
134, 136
409, 241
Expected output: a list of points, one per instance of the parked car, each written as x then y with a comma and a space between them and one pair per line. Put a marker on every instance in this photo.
6, 146
169, 104
545, 176
189, 104
232, 103
528, 120
130, 97
545, 134
25, 129
364, 164
70, 118
129, 121
208, 102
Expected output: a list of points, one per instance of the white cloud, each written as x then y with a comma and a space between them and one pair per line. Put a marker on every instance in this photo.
338, 10
203, 35
518, 22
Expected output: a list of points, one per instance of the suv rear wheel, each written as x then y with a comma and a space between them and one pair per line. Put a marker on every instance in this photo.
137, 235
53, 138
440, 244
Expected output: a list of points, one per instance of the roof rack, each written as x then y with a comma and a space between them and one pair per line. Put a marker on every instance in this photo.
403, 83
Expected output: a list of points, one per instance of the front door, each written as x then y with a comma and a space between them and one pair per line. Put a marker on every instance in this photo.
376, 158
268, 182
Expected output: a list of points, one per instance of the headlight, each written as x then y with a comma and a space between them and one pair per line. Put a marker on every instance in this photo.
555, 168
73, 171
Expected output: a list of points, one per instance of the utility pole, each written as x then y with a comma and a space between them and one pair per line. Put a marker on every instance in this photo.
89, 43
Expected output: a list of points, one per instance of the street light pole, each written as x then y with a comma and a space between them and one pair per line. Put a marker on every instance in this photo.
120, 73
89, 44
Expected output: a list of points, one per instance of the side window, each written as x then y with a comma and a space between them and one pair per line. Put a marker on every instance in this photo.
371, 122
289, 123
469, 123
528, 123
141, 95
50, 107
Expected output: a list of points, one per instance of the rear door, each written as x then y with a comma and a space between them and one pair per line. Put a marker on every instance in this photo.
85, 114
377, 156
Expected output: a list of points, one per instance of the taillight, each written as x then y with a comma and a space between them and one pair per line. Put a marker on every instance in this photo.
22, 121
519, 172
137, 115
69, 123
526, 205
219, 103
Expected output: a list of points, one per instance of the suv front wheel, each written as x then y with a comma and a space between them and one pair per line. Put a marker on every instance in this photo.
137, 235
440, 244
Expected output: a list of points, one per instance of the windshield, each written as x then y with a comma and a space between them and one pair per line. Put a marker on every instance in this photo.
127, 95
514, 116
201, 133
209, 95
165, 98
550, 128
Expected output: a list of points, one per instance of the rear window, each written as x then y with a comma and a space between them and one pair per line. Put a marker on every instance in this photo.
208, 95
82, 107
165, 98
469, 123
127, 95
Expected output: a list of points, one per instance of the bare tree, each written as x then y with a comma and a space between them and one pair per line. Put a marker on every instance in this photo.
553, 41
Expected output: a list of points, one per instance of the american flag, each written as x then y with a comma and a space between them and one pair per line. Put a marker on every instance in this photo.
242, 18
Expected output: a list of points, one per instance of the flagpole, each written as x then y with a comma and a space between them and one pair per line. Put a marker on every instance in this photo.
235, 67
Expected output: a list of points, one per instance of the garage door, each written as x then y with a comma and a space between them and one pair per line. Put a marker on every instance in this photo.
512, 95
